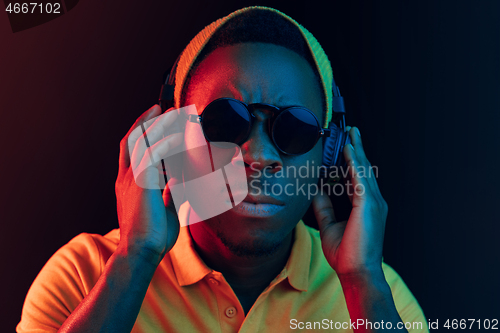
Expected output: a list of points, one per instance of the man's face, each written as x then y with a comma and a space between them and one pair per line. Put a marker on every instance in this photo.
270, 74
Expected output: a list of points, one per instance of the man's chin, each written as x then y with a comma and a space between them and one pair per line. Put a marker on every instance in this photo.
250, 237
251, 248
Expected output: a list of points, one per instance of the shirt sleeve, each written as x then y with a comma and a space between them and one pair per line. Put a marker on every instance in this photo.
61, 285
407, 306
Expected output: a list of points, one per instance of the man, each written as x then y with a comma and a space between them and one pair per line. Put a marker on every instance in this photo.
255, 267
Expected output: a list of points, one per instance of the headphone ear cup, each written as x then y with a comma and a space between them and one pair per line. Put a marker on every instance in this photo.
333, 148
330, 148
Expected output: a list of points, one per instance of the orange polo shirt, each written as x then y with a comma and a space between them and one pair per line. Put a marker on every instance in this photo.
185, 295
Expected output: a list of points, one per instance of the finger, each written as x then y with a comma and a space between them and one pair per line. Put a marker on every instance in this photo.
124, 160
348, 152
173, 224
142, 140
364, 166
152, 155
154, 129
323, 211
350, 158
355, 136
358, 184
149, 158
355, 143
167, 194
165, 148
166, 124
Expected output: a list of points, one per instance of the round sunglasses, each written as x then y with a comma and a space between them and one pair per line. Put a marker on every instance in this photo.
294, 129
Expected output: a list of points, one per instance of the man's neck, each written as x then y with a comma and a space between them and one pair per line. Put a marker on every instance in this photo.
248, 276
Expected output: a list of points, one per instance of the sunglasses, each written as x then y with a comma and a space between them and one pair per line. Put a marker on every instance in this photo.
295, 130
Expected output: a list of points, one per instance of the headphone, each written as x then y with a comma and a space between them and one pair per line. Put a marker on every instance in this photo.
333, 145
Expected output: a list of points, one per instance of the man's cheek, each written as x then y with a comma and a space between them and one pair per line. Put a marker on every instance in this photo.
301, 189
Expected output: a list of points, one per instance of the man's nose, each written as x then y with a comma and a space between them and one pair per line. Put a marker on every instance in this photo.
259, 152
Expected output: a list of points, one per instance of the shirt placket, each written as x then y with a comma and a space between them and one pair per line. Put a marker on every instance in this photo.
255, 317
231, 314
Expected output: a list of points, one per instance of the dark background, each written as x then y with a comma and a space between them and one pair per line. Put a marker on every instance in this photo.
421, 80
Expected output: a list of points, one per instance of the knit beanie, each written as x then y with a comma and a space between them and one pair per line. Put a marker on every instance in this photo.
196, 48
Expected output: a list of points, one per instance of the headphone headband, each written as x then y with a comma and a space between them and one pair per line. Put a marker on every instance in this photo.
166, 99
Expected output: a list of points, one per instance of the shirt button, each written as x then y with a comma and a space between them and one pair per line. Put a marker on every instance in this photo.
231, 311
213, 281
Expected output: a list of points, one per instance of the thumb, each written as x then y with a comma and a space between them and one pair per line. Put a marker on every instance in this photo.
173, 195
323, 211
173, 225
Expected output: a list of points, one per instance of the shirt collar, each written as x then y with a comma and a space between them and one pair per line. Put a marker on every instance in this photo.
299, 262
189, 268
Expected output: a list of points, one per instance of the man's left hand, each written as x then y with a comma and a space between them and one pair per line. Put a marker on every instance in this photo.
354, 246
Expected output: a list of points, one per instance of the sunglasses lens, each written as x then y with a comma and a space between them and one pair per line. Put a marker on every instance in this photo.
296, 131
226, 120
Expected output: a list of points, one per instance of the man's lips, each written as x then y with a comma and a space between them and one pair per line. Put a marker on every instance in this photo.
261, 199
259, 206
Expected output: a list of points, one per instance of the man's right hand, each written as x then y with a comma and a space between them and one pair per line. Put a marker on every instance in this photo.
149, 225
148, 229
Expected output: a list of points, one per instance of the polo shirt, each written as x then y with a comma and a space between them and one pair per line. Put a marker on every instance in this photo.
185, 295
